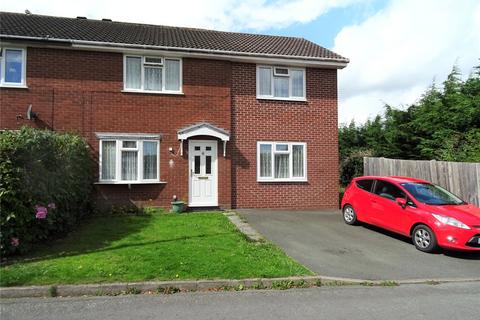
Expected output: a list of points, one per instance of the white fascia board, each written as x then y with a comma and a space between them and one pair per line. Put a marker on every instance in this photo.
192, 52
125, 136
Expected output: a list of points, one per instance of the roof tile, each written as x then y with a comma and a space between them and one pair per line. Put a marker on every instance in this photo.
122, 33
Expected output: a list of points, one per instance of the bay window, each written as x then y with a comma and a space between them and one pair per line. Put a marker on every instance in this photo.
129, 160
12, 67
281, 161
152, 74
280, 83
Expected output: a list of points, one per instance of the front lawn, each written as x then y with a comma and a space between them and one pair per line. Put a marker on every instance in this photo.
150, 247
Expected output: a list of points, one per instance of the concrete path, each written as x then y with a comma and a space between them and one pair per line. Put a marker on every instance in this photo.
243, 227
322, 242
439, 302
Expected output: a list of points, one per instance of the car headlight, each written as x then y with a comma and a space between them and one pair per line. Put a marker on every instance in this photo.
451, 221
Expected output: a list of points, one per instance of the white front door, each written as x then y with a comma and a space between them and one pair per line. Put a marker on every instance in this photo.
203, 190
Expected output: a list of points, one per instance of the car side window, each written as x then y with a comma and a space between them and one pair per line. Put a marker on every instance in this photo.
388, 191
365, 184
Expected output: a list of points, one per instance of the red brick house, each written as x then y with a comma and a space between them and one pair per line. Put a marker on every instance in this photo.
214, 118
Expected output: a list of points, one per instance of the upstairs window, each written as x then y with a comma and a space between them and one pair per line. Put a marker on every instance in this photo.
152, 74
12, 67
282, 83
281, 161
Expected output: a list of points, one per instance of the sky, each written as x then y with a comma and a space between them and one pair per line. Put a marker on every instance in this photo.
397, 48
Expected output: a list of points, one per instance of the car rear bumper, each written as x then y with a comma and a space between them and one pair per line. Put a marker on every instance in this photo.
458, 239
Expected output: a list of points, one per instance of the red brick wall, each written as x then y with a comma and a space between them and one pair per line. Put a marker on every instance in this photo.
313, 122
80, 91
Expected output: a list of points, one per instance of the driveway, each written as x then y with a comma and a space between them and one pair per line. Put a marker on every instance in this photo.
321, 241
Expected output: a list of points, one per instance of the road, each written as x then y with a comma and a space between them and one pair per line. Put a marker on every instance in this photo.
444, 301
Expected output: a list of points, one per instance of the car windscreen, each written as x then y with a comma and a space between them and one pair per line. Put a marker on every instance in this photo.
432, 194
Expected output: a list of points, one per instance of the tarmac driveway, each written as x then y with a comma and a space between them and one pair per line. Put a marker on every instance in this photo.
321, 241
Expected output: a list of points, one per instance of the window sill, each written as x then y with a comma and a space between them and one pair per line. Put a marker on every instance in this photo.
14, 86
130, 182
282, 180
282, 99
153, 92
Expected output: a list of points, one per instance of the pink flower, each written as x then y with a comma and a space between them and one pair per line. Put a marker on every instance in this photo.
51, 206
15, 242
41, 212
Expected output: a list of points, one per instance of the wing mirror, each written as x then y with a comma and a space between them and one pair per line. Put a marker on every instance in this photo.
401, 202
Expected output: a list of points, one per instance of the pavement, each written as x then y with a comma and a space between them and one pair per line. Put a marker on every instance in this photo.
322, 242
439, 302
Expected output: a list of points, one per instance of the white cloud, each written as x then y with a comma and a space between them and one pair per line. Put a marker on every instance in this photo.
396, 53
223, 15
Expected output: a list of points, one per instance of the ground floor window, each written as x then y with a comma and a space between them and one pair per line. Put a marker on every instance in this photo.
129, 160
281, 161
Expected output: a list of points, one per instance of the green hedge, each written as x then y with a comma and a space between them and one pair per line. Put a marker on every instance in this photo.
350, 168
45, 186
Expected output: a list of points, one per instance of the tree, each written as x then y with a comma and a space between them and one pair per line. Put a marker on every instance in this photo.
443, 125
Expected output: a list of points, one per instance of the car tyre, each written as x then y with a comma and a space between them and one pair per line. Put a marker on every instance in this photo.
424, 239
349, 215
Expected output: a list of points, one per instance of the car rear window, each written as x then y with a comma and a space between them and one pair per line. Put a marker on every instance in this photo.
365, 184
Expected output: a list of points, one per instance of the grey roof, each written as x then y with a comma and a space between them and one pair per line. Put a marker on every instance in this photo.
22, 26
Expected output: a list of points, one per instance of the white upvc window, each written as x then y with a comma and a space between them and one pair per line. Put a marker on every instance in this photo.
12, 67
129, 160
281, 161
281, 83
152, 74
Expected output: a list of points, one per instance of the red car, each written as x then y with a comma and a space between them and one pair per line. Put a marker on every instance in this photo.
429, 214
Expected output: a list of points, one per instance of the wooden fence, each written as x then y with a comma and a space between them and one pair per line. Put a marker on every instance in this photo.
461, 178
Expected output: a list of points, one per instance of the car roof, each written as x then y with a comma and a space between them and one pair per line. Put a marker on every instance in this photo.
396, 179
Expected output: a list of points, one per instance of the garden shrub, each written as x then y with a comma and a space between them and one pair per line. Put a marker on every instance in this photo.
350, 168
45, 186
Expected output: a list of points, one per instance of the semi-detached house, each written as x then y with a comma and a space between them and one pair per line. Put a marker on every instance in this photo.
214, 118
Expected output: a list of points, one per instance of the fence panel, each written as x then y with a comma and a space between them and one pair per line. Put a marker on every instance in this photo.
461, 178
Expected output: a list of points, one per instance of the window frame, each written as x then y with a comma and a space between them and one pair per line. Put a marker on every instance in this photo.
118, 161
289, 76
153, 65
3, 83
273, 151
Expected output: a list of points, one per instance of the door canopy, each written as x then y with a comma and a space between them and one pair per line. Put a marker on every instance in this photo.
203, 129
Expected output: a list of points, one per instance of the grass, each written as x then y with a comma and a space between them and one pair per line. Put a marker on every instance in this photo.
149, 247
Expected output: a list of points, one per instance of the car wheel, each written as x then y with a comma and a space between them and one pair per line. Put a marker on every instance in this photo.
349, 215
424, 239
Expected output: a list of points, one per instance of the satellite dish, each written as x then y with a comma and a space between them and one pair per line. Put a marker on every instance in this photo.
30, 114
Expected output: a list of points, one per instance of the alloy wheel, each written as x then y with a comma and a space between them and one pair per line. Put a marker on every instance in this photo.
349, 214
422, 238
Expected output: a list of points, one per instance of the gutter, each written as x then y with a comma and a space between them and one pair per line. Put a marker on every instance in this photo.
225, 54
